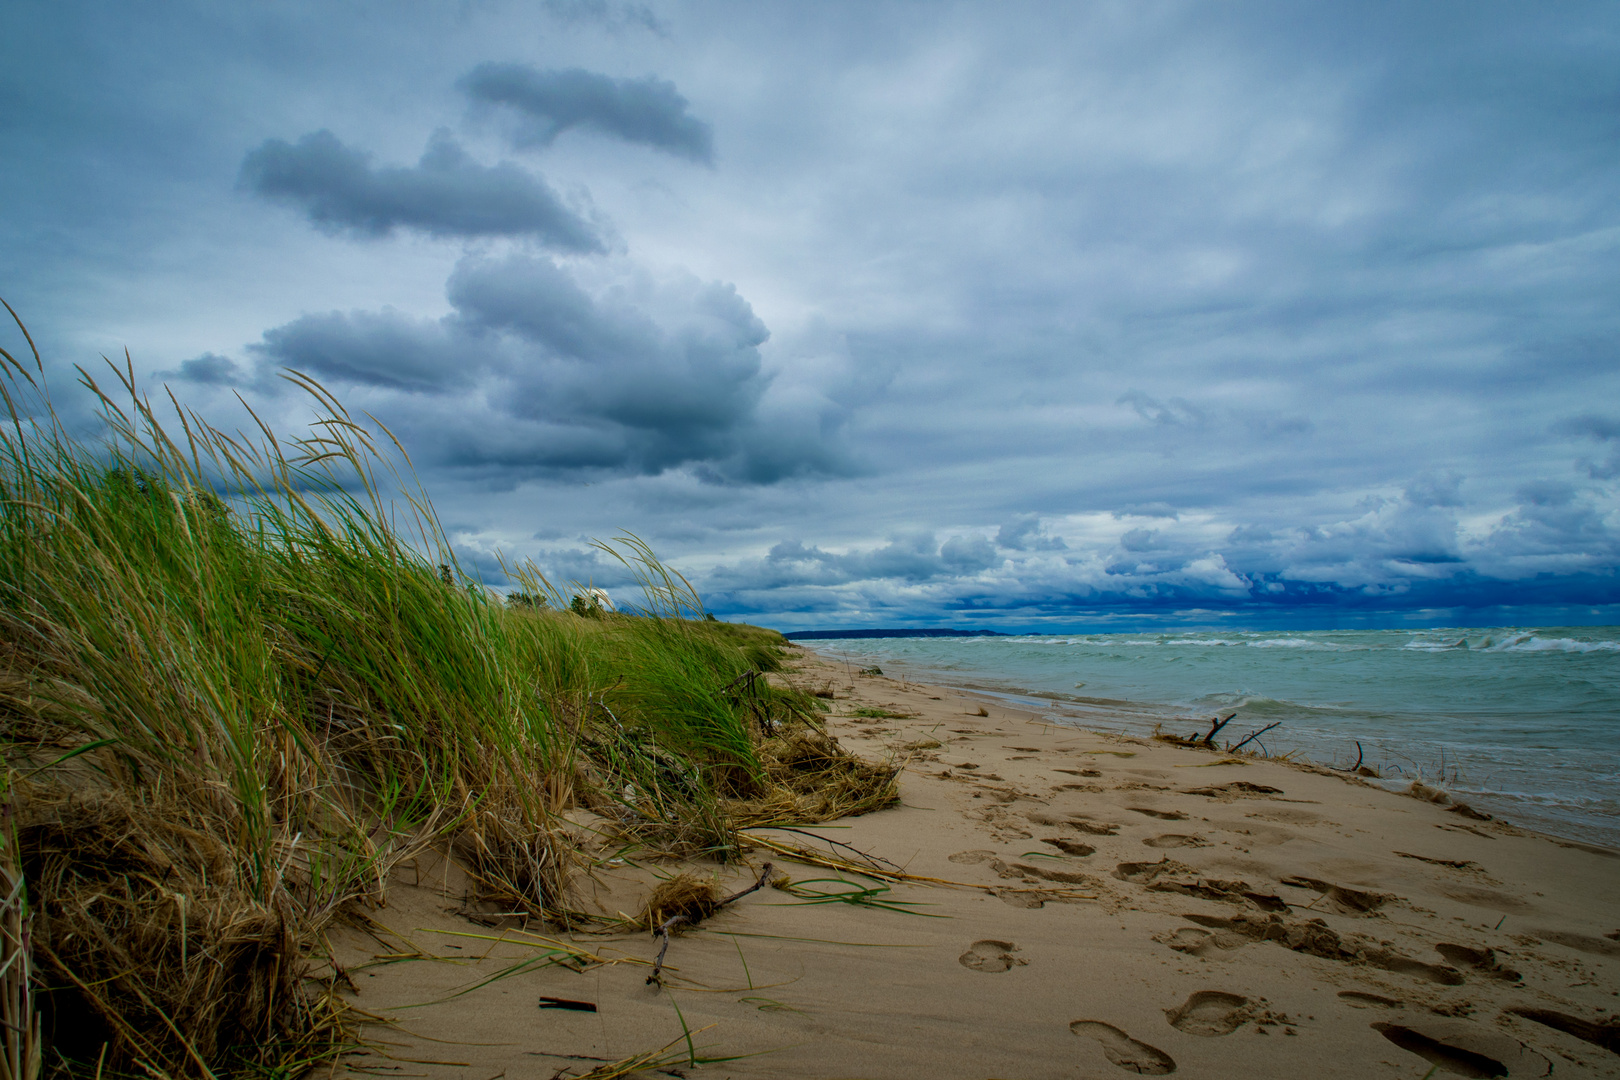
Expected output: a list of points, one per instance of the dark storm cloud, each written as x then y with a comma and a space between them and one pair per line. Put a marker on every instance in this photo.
385, 349
209, 369
446, 194
647, 111
532, 374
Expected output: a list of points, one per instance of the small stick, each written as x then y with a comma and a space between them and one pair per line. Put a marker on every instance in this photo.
764, 876
658, 964
1216, 723
875, 861
1256, 735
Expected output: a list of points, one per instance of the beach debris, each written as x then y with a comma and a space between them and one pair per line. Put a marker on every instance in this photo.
565, 1003
1216, 723
840, 890
1358, 768
1252, 736
980, 711
689, 900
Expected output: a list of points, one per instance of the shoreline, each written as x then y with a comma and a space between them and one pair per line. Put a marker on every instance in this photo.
1470, 769
1074, 902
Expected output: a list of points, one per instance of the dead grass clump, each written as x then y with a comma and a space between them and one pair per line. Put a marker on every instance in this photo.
149, 939
686, 895
812, 778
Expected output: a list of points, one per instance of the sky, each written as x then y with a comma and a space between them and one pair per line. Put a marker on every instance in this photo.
1027, 317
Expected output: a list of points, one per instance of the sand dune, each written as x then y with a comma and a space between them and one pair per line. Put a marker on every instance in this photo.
1118, 906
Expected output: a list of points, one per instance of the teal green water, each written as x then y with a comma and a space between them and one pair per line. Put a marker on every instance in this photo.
1520, 722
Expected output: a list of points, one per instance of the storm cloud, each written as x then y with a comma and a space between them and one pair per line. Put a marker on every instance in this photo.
648, 111
446, 194
533, 373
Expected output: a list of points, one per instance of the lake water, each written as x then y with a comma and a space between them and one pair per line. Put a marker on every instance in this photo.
1523, 723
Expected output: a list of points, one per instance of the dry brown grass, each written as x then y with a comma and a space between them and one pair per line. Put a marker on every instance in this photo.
812, 778
686, 895
150, 938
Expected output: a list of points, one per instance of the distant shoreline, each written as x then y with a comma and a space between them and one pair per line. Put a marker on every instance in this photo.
823, 635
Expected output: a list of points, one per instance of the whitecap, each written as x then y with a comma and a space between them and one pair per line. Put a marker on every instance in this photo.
1531, 643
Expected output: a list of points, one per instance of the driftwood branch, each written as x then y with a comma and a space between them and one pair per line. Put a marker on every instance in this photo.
1256, 735
663, 930
764, 876
1359, 753
1216, 723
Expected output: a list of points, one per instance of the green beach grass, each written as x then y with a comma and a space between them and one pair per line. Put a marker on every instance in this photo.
240, 682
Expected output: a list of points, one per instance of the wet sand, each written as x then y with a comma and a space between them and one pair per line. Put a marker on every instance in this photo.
1116, 906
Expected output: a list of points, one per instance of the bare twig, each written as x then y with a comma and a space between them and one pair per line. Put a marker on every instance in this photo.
1216, 723
1357, 765
875, 861
1256, 735
663, 930
764, 876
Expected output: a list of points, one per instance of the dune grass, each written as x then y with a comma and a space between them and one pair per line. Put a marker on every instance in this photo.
239, 685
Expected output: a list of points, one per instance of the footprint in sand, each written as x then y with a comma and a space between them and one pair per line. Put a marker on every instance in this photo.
1124, 1051
1483, 961
1465, 1049
1175, 840
1579, 942
991, 955
1069, 847
1605, 1033
1210, 1013
968, 858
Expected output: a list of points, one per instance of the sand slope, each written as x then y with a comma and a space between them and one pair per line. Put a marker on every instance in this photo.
1125, 907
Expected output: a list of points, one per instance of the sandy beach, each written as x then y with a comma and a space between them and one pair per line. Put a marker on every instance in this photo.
1045, 902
